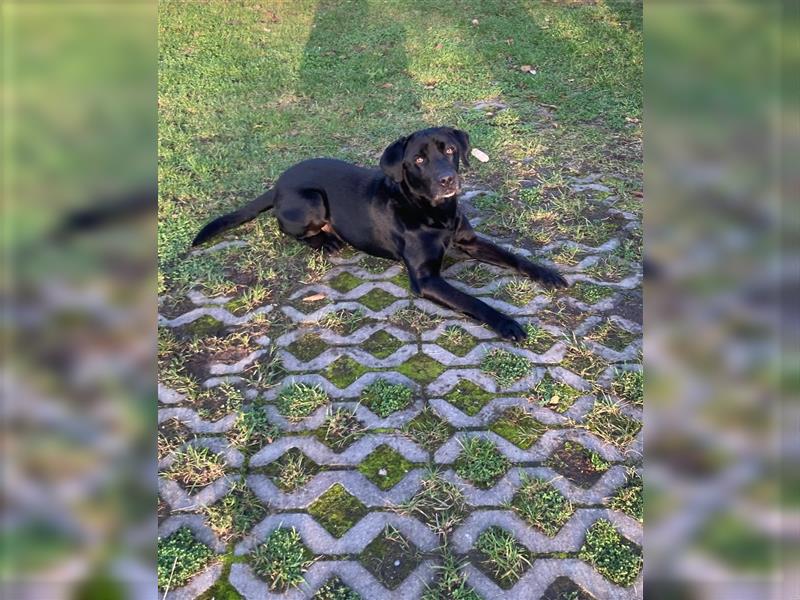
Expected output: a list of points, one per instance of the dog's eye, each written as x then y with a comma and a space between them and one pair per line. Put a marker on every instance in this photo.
450, 149
419, 160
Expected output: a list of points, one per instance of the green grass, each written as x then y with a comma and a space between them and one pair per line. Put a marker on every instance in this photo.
608, 423
282, 559
554, 395
468, 397
429, 430
629, 386
630, 497
237, 513
337, 510
292, 470
340, 429
196, 467
383, 397
506, 367
504, 557
298, 400
456, 340
542, 505
518, 427
613, 556
451, 582
481, 462
180, 557
438, 503
334, 589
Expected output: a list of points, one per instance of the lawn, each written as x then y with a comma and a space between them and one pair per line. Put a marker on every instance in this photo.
551, 92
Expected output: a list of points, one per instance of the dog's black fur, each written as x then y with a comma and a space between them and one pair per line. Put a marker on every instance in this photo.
408, 210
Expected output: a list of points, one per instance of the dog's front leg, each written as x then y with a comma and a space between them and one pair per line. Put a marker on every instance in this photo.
436, 289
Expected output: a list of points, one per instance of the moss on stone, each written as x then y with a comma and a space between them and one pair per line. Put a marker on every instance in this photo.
344, 282
381, 344
385, 467
468, 397
205, 326
421, 368
457, 341
337, 510
307, 347
401, 280
518, 427
343, 371
377, 299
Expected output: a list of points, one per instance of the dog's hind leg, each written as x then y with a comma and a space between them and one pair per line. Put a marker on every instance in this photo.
303, 214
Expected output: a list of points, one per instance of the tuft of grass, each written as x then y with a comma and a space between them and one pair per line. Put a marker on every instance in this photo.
542, 505
292, 470
267, 370
610, 554
554, 395
196, 467
334, 589
233, 516
608, 423
282, 560
590, 293
519, 292
180, 557
504, 557
253, 430
475, 275
299, 400
390, 557
583, 362
385, 467
539, 340
612, 336
343, 322
216, 402
629, 386
506, 367
383, 397
438, 503
480, 462
337, 510
456, 340
451, 582
340, 429
414, 319
518, 427
429, 430
630, 497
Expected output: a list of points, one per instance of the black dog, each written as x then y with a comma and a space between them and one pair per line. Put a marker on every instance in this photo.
406, 211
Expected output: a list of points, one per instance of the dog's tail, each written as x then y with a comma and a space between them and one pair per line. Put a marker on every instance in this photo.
247, 213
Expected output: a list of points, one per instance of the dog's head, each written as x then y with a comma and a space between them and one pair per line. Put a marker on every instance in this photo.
427, 161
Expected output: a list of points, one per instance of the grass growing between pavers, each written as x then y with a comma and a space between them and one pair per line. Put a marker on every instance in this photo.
506, 367
543, 506
343, 371
421, 368
180, 557
629, 498
282, 560
236, 513
308, 347
554, 395
439, 504
299, 400
344, 282
383, 397
429, 430
456, 340
385, 467
609, 423
501, 556
612, 336
334, 589
340, 429
337, 510
450, 582
253, 429
629, 386
292, 470
539, 340
195, 467
518, 427
480, 462
610, 554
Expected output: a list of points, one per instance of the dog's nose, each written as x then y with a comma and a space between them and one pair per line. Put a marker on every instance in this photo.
447, 180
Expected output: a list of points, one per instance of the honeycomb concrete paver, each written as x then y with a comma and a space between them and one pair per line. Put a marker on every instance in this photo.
414, 355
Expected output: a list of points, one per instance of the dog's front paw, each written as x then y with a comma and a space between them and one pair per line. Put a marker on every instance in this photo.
510, 330
549, 277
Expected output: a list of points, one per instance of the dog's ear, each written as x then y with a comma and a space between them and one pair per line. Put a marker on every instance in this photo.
392, 159
462, 141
